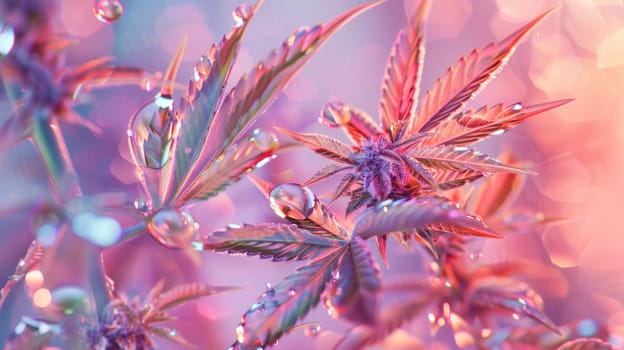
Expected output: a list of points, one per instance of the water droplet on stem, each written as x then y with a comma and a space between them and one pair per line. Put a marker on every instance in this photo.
241, 14
107, 11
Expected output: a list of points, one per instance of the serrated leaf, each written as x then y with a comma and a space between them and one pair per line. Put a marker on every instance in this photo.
510, 295
447, 180
186, 292
254, 92
466, 79
199, 108
460, 158
325, 172
356, 124
278, 242
586, 344
239, 159
31, 258
354, 295
420, 173
169, 334
100, 72
473, 126
401, 83
278, 309
322, 221
496, 192
411, 215
326, 146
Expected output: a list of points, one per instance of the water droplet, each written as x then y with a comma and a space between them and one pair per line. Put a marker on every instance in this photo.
107, 11
334, 115
150, 132
142, 205
476, 256
7, 38
241, 14
265, 141
202, 68
312, 331
173, 228
498, 132
240, 334
292, 201
292, 292
517, 107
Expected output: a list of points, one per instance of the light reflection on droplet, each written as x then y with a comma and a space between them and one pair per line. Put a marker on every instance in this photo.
42, 298
292, 201
265, 141
312, 331
7, 39
107, 11
241, 13
173, 228
240, 334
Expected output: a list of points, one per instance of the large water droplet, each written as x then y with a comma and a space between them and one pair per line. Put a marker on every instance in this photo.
292, 201
312, 331
173, 228
150, 132
107, 11
265, 141
241, 14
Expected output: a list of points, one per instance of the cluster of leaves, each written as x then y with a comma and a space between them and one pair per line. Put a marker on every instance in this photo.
403, 172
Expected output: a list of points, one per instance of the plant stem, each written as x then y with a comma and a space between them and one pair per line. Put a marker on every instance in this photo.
52, 148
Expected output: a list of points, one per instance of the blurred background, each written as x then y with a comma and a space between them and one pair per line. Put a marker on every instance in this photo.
577, 52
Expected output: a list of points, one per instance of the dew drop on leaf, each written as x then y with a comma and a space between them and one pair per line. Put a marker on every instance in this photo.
292, 201
107, 11
292, 292
265, 141
150, 132
173, 228
517, 107
241, 13
312, 331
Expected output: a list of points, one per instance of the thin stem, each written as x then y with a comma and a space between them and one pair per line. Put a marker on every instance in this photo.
50, 144
52, 148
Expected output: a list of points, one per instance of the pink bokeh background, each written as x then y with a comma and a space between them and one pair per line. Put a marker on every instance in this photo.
577, 52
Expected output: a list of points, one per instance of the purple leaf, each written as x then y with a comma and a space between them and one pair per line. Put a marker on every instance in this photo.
460, 158
354, 293
255, 92
239, 159
473, 126
326, 146
466, 79
279, 308
278, 242
199, 108
326, 172
586, 344
411, 215
401, 84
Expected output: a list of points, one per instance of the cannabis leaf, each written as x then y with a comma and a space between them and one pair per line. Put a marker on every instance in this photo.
340, 269
419, 151
193, 151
